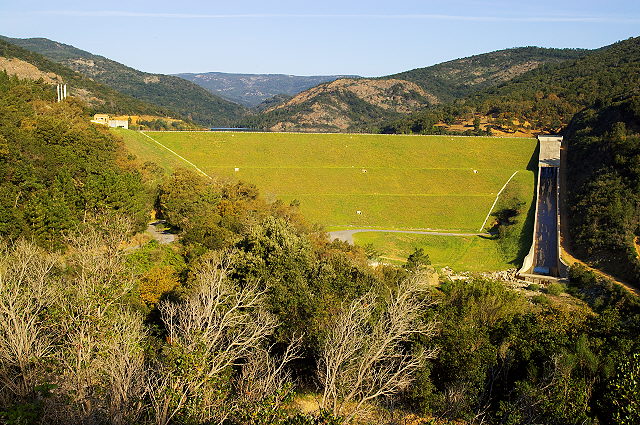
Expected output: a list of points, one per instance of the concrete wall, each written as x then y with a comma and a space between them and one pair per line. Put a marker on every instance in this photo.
527, 264
549, 157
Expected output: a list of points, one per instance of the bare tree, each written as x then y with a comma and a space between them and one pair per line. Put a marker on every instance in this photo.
365, 355
264, 374
213, 329
92, 322
25, 275
124, 368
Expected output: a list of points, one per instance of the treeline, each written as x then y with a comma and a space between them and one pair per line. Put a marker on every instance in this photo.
161, 124
431, 120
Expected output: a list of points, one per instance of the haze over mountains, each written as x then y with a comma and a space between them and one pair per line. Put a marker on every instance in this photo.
251, 90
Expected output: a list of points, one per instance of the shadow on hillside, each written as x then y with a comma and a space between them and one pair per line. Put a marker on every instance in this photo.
525, 239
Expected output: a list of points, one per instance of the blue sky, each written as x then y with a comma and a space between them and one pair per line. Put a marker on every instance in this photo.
312, 38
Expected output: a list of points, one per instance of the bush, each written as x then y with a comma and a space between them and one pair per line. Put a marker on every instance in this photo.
540, 300
534, 287
556, 289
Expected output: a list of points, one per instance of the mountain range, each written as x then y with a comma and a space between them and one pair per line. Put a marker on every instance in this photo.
362, 104
282, 102
251, 90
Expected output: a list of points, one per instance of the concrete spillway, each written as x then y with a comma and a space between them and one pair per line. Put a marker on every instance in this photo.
544, 263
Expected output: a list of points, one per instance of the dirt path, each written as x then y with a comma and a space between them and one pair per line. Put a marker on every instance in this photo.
347, 235
162, 236
496, 201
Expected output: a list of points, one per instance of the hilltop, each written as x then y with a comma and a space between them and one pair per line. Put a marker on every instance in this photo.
187, 99
548, 97
360, 104
26, 64
251, 90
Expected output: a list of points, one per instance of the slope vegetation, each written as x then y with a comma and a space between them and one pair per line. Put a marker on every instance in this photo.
56, 168
189, 100
458, 78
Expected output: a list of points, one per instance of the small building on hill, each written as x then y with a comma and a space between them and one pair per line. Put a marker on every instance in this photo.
101, 119
105, 119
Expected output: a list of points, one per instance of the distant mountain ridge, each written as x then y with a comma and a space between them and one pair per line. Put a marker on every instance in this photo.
340, 105
187, 99
458, 78
252, 89
362, 104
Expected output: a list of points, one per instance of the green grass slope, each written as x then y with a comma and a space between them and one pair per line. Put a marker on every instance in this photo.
396, 182
189, 100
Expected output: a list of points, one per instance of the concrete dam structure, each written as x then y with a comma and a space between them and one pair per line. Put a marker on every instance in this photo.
544, 264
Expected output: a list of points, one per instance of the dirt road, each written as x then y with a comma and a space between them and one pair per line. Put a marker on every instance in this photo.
347, 235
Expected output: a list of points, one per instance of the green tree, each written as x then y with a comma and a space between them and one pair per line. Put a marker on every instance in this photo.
417, 260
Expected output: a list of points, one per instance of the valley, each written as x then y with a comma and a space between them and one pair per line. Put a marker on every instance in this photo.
270, 249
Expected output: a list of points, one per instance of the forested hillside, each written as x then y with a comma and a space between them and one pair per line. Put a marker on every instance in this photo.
458, 78
546, 98
56, 168
187, 99
100, 98
360, 105
604, 179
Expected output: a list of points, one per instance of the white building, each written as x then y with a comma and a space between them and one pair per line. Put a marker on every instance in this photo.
104, 119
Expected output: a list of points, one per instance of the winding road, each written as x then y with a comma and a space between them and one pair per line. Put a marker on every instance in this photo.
347, 235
